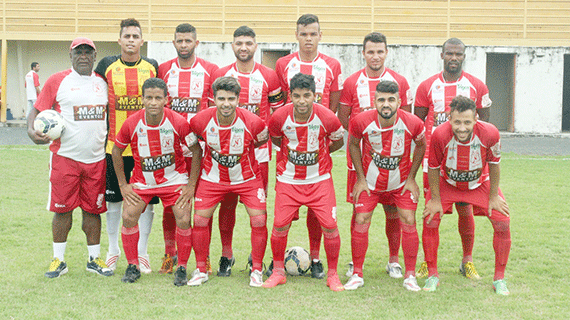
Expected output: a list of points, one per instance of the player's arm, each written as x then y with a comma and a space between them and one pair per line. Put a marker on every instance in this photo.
334, 101
344, 114
36, 137
421, 112
484, 114
356, 156
419, 151
129, 195
335, 145
433, 206
496, 202
187, 191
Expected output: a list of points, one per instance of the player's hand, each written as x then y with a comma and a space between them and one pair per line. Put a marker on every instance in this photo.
431, 209
412, 186
186, 195
129, 195
38, 137
499, 204
359, 187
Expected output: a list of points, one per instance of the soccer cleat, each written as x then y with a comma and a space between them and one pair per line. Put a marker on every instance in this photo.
99, 267
500, 287
198, 278
208, 266
180, 278
256, 278
317, 270
422, 271
56, 268
168, 264
333, 282
132, 274
274, 280
225, 269
350, 270
269, 270
111, 261
354, 282
431, 284
411, 284
144, 264
394, 269
468, 270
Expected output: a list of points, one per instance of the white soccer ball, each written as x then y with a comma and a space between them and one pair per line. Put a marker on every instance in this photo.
297, 261
50, 123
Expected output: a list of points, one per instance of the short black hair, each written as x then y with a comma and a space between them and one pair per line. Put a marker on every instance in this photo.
244, 31
130, 22
461, 104
387, 87
185, 28
34, 64
152, 83
226, 84
307, 19
454, 41
302, 81
375, 37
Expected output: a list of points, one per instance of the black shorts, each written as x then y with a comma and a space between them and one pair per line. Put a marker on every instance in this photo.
113, 192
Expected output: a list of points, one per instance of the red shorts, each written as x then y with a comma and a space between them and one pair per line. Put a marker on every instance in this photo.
75, 184
264, 173
209, 194
367, 203
479, 198
319, 197
168, 195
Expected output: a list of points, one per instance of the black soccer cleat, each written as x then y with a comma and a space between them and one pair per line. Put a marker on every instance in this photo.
180, 277
132, 274
317, 270
269, 270
226, 265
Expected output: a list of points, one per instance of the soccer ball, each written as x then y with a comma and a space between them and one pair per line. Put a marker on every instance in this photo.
50, 123
297, 261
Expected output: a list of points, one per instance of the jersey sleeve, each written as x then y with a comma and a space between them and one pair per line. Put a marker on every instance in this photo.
47, 97
280, 71
123, 138
36, 80
405, 92
337, 83
436, 148
275, 95
333, 126
483, 99
197, 124
276, 122
355, 129
418, 128
102, 66
421, 98
493, 142
217, 73
163, 70
347, 92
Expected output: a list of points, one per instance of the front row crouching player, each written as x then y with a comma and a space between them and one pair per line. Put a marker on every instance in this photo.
155, 135
77, 158
385, 175
306, 133
229, 166
461, 151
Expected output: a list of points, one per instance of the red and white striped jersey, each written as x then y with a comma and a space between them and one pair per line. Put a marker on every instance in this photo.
82, 102
156, 150
229, 156
386, 151
304, 156
436, 94
260, 92
190, 88
464, 165
326, 70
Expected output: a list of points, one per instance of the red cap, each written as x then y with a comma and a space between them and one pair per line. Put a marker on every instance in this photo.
81, 40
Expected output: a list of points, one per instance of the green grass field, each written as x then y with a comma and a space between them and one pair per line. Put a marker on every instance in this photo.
536, 188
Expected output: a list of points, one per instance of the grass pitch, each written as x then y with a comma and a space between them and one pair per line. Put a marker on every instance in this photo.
536, 188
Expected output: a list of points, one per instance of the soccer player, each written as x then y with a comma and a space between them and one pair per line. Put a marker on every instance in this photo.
125, 74
189, 80
431, 104
77, 159
358, 96
155, 135
385, 175
260, 94
328, 85
306, 133
464, 167
230, 135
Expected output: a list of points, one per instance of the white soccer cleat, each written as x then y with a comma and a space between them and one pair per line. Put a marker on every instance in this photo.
394, 269
144, 264
354, 282
256, 278
111, 261
350, 270
411, 284
198, 278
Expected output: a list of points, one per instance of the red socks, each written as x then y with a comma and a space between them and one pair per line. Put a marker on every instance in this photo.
466, 227
130, 237
410, 245
430, 241
201, 241
184, 243
258, 240
332, 248
169, 230
315, 232
278, 247
359, 245
227, 222
502, 246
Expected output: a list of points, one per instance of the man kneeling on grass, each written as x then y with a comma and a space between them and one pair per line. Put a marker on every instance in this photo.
155, 135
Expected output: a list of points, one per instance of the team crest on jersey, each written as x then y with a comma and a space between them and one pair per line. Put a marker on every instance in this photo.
303, 158
228, 161
256, 92
476, 159
129, 103
313, 140
463, 175
154, 163
167, 144
398, 144
185, 105
383, 162
97, 88
86, 113
236, 142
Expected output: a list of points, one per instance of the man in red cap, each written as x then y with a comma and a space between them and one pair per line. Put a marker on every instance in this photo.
77, 160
